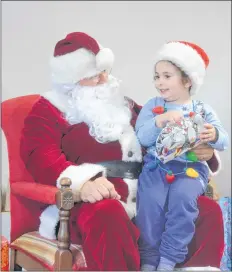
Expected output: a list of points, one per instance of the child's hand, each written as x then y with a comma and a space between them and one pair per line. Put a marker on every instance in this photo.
170, 116
209, 134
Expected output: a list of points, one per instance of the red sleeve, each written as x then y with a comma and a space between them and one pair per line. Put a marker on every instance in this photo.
41, 141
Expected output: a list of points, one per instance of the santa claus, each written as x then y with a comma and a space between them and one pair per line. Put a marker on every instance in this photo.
83, 129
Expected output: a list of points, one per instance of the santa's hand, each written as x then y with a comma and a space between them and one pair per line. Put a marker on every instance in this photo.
203, 152
106, 188
209, 134
93, 191
89, 192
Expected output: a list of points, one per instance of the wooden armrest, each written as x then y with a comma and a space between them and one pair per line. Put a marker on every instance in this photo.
63, 198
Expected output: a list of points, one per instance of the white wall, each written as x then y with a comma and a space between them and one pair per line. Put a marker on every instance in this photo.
134, 31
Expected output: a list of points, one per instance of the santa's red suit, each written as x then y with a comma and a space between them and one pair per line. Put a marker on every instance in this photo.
52, 147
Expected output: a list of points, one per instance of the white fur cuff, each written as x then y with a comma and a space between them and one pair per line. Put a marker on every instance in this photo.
80, 174
48, 221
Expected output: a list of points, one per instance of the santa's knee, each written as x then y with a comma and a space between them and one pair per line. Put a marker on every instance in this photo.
110, 210
101, 213
209, 209
217, 213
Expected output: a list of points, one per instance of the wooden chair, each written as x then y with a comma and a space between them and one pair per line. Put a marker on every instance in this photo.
28, 249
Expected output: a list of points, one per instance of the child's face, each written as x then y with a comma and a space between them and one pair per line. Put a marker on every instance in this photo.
169, 82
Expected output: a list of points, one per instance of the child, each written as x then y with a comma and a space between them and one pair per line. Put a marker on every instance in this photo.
167, 193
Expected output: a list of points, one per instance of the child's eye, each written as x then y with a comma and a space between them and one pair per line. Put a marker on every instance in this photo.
166, 76
156, 77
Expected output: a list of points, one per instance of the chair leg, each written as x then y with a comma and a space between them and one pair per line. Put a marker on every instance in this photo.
12, 259
17, 268
13, 265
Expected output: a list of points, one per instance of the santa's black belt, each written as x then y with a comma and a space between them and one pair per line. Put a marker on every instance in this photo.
122, 169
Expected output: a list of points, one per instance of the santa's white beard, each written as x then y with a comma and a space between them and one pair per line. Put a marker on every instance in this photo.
103, 108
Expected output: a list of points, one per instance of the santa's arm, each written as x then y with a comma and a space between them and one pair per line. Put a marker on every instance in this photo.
41, 151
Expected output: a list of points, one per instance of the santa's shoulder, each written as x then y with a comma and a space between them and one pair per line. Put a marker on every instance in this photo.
43, 109
43, 104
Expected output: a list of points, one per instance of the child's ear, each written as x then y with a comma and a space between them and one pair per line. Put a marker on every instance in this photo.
188, 83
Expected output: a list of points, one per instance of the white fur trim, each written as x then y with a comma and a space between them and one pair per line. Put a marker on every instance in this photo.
59, 100
187, 59
130, 206
48, 221
130, 143
203, 268
217, 157
80, 64
104, 59
80, 174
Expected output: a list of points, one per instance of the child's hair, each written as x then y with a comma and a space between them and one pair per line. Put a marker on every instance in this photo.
183, 74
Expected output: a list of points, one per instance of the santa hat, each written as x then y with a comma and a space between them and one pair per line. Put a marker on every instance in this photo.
79, 56
189, 57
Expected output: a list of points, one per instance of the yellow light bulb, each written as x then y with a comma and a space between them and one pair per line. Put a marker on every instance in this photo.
190, 172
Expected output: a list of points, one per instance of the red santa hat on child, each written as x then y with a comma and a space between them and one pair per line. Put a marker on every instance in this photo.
79, 56
189, 57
